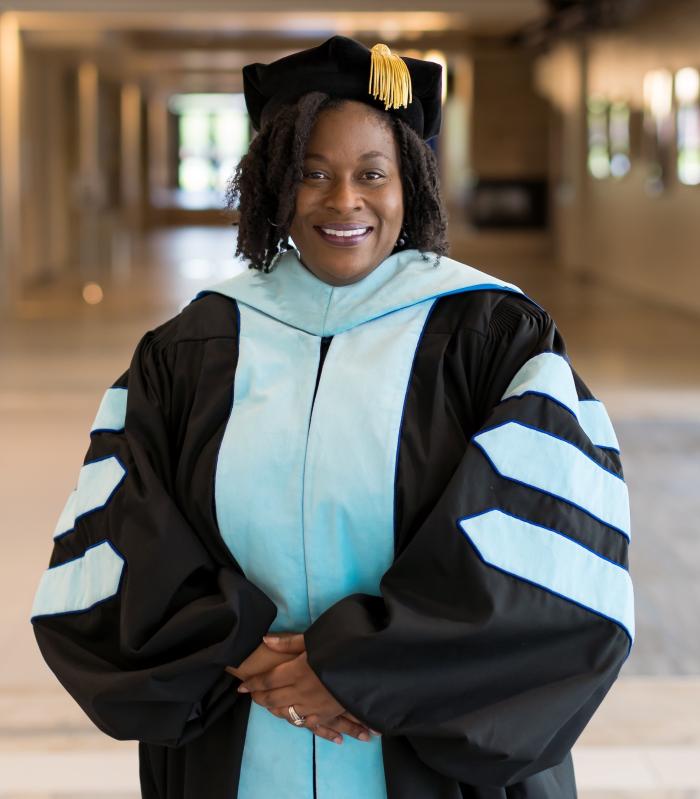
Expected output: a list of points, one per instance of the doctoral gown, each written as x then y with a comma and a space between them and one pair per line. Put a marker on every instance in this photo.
409, 471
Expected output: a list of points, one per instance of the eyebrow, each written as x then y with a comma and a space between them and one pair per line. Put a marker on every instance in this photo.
363, 157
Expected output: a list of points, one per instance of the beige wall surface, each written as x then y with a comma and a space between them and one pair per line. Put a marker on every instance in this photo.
647, 245
612, 229
510, 119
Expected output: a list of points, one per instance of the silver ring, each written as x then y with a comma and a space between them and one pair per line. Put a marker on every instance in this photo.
297, 720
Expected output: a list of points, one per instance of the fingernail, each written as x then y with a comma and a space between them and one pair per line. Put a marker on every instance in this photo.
270, 639
374, 732
243, 690
363, 736
337, 740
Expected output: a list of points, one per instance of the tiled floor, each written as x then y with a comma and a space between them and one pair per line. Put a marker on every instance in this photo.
56, 361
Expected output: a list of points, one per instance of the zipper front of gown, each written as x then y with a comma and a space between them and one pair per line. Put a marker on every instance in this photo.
304, 494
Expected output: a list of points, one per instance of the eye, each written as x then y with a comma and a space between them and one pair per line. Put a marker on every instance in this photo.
314, 174
373, 175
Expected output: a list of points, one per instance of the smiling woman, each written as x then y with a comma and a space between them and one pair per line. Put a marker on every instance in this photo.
358, 489
349, 204
316, 164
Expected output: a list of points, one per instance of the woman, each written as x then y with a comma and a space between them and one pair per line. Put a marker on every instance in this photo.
368, 448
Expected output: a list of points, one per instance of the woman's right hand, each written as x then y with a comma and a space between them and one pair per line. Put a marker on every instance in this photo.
263, 658
260, 660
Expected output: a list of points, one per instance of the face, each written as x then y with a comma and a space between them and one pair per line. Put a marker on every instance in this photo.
349, 205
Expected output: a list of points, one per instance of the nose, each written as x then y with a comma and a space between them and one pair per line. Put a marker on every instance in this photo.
343, 196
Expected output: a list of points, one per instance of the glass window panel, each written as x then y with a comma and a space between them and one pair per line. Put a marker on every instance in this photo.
598, 138
195, 173
194, 133
619, 127
213, 137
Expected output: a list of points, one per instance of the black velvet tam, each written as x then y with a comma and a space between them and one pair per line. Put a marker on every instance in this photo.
340, 67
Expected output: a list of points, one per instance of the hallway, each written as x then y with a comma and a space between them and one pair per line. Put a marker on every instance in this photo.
60, 353
569, 164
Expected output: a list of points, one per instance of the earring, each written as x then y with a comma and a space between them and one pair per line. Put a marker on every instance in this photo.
403, 236
282, 246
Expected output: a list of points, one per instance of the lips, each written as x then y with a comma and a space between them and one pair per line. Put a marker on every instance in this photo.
344, 234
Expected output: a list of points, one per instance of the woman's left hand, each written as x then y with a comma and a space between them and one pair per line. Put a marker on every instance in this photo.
293, 683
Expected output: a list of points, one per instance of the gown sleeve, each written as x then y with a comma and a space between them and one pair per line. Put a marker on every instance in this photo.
506, 616
135, 615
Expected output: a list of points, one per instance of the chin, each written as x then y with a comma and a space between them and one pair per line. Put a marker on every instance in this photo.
342, 275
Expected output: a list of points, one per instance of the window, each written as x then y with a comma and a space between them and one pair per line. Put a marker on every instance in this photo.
687, 91
213, 135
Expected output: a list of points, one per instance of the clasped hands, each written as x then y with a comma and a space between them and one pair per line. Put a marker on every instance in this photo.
277, 675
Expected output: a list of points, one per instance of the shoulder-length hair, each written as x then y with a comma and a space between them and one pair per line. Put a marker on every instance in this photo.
263, 188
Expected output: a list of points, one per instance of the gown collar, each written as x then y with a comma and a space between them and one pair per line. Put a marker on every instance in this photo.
296, 297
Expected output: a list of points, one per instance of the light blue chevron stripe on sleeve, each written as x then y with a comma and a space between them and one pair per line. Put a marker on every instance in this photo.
97, 482
596, 424
550, 375
547, 463
79, 584
553, 561
111, 415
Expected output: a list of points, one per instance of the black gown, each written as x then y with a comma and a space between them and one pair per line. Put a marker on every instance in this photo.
479, 622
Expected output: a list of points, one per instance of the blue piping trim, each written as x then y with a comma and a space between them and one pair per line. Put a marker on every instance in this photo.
551, 435
403, 409
464, 290
543, 527
105, 503
533, 393
538, 585
542, 490
577, 406
561, 405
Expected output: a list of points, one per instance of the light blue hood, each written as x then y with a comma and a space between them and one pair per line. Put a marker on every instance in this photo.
295, 296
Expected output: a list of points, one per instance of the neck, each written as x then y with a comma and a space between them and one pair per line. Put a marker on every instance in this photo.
336, 280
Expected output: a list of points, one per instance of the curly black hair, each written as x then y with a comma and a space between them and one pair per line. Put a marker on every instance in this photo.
263, 188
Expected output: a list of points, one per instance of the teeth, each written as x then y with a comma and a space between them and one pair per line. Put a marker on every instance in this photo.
359, 231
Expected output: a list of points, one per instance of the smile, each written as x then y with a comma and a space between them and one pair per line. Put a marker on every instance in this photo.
343, 236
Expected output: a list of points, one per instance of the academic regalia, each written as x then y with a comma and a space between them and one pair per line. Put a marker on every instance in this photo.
408, 470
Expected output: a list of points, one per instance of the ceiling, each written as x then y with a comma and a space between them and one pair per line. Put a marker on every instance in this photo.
165, 42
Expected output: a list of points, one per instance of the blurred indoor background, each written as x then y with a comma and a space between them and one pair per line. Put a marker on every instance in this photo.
570, 156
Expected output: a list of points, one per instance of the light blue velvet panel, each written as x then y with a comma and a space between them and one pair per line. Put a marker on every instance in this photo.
549, 374
111, 415
97, 482
295, 296
351, 457
305, 503
552, 561
349, 498
260, 466
258, 490
79, 584
547, 463
596, 424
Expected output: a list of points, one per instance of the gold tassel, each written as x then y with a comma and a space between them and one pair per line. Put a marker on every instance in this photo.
389, 78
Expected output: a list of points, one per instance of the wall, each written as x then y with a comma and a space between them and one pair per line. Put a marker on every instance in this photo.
509, 133
613, 230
